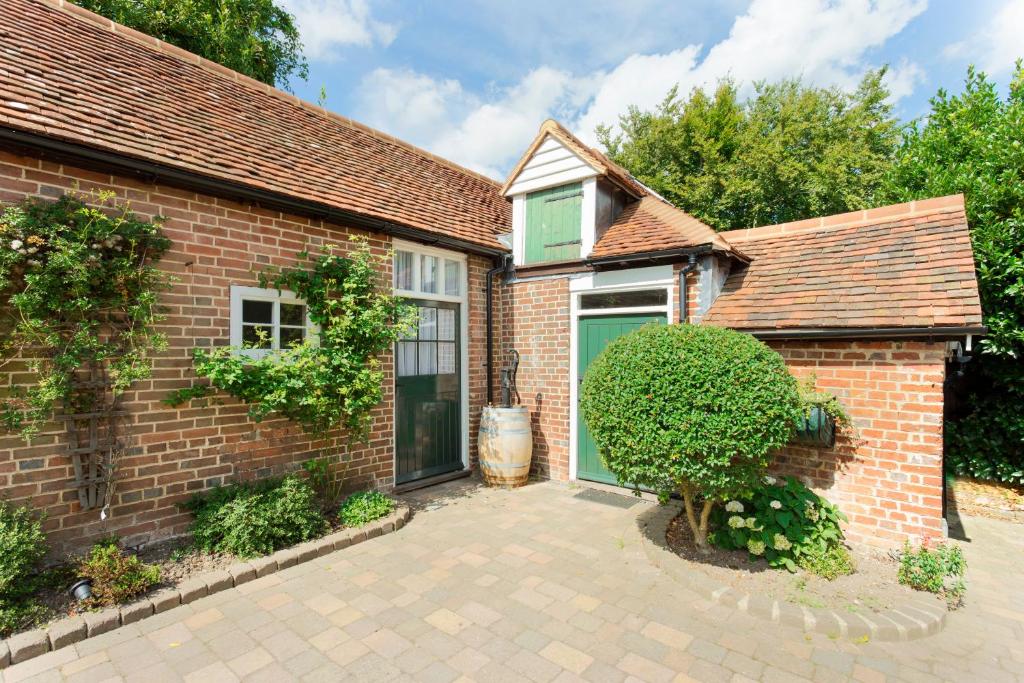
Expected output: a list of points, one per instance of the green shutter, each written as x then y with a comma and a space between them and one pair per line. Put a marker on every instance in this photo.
553, 219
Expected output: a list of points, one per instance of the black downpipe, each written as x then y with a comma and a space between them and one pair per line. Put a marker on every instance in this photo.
502, 267
683, 272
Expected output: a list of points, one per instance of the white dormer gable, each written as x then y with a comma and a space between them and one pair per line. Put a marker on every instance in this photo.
552, 164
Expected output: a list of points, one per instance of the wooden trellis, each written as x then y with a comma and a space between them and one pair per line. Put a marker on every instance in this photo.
93, 417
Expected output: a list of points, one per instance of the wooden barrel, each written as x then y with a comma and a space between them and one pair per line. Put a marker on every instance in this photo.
505, 445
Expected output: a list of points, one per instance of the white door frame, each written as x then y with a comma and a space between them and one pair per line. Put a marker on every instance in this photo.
634, 279
463, 301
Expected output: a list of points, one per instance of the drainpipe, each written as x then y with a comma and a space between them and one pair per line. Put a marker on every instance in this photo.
683, 272
502, 267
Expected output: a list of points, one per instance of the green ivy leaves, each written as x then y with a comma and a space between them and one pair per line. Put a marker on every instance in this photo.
82, 285
333, 381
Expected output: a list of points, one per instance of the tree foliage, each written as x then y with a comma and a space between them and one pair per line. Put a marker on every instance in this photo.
790, 152
254, 37
689, 408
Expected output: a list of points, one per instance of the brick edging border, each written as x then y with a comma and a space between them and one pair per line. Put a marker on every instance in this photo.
24, 646
909, 622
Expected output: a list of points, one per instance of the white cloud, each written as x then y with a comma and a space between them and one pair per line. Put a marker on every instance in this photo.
825, 41
997, 46
328, 25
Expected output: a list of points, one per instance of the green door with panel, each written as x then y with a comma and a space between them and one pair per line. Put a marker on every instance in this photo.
595, 334
428, 440
553, 222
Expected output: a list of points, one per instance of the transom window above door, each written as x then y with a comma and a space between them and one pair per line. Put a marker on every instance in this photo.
267, 320
422, 272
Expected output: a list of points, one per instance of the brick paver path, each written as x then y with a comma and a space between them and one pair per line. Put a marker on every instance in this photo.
544, 583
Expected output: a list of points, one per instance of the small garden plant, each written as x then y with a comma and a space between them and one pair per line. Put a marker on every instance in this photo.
116, 577
788, 525
692, 409
22, 546
256, 519
364, 507
938, 570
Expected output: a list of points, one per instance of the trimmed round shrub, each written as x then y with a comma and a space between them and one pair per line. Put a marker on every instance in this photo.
689, 408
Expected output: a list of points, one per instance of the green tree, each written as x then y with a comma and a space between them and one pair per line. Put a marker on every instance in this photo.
254, 37
693, 409
973, 143
788, 153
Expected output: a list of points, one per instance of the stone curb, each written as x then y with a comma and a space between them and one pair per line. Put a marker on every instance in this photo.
24, 646
909, 622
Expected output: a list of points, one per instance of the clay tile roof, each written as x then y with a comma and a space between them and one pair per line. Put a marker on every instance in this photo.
653, 224
71, 75
906, 265
595, 158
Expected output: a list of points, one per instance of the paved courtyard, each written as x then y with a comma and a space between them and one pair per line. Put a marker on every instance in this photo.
547, 583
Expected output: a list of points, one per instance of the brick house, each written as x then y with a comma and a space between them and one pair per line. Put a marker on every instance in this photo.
568, 253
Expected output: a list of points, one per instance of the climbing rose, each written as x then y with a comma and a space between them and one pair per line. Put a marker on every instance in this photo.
770, 481
776, 505
16, 244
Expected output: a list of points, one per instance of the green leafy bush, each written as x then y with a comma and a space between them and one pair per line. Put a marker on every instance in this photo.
256, 519
333, 379
787, 524
83, 284
938, 570
364, 507
689, 408
116, 577
989, 442
22, 546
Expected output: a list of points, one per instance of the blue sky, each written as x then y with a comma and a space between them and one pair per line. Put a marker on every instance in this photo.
472, 80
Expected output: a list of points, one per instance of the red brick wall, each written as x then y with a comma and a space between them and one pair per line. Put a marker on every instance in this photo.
887, 474
535, 322
177, 452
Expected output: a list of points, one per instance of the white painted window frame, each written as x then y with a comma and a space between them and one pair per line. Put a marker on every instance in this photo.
275, 296
658, 277
463, 300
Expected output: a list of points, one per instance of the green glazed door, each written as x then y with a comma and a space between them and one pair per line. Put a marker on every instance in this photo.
428, 441
594, 335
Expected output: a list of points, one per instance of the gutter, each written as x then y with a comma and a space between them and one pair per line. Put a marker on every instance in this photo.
647, 256
691, 265
153, 172
929, 333
501, 266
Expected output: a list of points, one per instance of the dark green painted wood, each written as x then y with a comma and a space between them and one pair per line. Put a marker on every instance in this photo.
595, 334
553, 220
427, 404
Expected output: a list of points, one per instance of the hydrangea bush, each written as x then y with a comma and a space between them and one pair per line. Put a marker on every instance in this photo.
786, 524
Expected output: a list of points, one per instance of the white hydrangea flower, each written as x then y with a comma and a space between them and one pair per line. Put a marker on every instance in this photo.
16, 244
775, 505
751, 523
734, 506
755, 547
770, 480
736, 522
780, 542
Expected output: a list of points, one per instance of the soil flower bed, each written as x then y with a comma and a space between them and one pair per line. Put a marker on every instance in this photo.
872, 587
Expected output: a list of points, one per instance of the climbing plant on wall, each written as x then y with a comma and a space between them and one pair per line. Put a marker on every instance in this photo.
333, 378
79, 284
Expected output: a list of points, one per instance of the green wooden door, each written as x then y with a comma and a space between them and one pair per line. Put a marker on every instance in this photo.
594, 335
553, 220
428, 440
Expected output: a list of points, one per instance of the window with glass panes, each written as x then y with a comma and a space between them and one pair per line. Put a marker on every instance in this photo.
427, 274
266, 320
430, 349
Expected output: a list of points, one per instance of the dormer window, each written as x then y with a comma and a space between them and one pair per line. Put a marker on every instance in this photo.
553, 224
